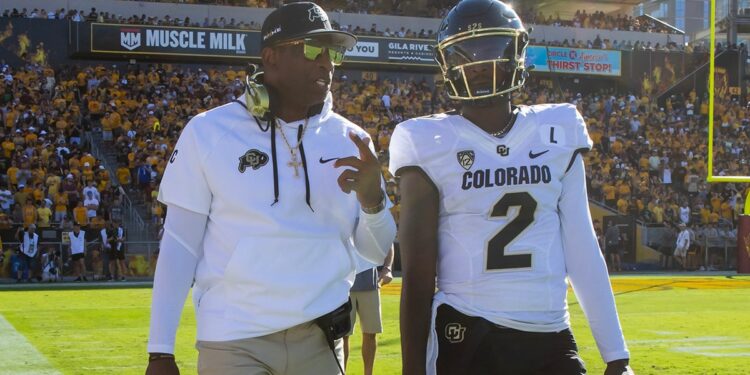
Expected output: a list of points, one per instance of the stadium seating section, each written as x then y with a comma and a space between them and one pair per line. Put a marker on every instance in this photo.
648, 161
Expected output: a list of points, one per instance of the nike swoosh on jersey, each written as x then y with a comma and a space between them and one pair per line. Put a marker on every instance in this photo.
323, 161
532, 155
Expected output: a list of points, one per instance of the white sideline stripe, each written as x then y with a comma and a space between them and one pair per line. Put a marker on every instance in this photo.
665, 332
716, 351
692, 339
725, 346
18, 356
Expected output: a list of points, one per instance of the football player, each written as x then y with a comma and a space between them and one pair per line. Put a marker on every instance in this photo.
494, 205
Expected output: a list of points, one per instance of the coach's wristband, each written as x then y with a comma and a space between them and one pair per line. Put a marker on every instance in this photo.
375, 209
159, 356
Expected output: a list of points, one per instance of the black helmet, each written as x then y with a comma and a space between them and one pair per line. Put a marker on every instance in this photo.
487, 38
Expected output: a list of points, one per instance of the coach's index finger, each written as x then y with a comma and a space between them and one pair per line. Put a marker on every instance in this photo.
349, 161
364, 150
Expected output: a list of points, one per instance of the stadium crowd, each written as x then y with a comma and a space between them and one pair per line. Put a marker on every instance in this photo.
581, 19
648, 161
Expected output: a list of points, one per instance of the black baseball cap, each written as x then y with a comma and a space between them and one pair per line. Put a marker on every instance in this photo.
302, 20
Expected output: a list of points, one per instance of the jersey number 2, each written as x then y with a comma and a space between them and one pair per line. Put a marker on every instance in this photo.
496, 257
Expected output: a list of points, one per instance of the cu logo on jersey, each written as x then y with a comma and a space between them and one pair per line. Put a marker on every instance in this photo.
465, 158
316, 13
454, 332
503, 150
253, 159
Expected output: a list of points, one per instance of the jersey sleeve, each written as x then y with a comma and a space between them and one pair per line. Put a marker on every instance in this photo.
402, 150
184, 183
586, 268
580, 140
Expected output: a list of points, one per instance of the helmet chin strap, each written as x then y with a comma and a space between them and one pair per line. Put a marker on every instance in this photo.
487, 102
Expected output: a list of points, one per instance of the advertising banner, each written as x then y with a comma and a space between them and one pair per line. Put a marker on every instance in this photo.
172, 41
574, 60
407, 52
206, 43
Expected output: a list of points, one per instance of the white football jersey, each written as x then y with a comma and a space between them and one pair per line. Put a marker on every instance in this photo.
513, 221
500, 248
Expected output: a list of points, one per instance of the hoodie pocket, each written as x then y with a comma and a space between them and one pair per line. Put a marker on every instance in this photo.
273, 283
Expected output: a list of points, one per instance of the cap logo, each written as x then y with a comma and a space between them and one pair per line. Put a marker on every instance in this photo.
317, 13
273, 32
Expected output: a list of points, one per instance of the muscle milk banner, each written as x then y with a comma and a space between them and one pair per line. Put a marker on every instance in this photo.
161, 40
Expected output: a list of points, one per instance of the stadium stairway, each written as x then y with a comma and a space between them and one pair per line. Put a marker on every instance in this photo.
135, 209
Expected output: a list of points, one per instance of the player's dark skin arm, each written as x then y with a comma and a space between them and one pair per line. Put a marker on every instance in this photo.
418, 239
162, 365
619, 367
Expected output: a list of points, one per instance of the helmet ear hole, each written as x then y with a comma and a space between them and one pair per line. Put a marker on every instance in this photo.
439, 59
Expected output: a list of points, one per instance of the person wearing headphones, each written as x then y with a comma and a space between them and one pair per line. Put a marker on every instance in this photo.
262, 216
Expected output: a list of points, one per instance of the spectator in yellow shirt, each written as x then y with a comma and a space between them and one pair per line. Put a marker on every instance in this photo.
658, 212
80, 215
44, 214
88, 158
123, 176
29, 213
8, 147
610, 195
88, 172
12, 174
61, 206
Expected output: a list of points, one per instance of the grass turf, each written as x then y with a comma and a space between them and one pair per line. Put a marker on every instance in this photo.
674, 325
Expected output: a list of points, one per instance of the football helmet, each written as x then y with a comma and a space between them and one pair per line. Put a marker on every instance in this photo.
481, 50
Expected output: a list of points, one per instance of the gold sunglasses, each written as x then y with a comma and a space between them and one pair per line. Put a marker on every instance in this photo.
312, 51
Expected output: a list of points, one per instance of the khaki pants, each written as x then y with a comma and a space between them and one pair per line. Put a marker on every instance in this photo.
300, 350
366, 304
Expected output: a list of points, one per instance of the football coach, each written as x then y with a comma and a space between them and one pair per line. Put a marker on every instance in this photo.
268, 199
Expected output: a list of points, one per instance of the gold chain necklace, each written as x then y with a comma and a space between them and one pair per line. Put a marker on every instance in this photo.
505, 128
294, 163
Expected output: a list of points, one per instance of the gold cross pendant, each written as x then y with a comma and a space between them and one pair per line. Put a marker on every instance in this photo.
295, 164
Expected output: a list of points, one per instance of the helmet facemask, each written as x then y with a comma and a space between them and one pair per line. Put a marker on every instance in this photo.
484, 63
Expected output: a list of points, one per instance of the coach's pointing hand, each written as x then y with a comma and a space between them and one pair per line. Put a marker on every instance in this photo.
364, 179
160, 364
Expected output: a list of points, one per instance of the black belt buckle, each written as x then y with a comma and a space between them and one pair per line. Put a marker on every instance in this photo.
336, 324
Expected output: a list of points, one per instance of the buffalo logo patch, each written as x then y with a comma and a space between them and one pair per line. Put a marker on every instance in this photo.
253, 159
465, 158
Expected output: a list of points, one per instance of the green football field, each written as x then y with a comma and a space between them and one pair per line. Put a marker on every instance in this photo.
674, 325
